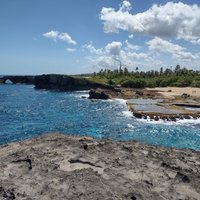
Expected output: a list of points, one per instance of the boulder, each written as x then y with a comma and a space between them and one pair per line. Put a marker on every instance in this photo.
139, 92
98, 94
185, 95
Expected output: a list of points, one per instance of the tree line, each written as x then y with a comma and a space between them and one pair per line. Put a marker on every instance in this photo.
179, 77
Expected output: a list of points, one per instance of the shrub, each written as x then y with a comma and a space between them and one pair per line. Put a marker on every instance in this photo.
134, 83
110, 82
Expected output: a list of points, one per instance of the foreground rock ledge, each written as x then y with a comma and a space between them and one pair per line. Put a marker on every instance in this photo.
57, 166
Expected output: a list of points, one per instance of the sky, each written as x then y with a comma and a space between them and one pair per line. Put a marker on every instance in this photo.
82, 36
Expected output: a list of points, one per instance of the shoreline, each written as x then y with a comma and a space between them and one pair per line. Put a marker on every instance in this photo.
79, 167
171, 103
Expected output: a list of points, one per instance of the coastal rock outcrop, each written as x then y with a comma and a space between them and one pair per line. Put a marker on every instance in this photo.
122, 93
58, 82
77, 167
18, 79
98, 94
104, 93
163, 116
66, 83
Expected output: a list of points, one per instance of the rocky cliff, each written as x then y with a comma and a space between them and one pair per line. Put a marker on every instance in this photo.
63, 82
57, 166
53, 81
18, 79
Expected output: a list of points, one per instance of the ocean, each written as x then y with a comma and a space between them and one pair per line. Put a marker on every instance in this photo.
26, 112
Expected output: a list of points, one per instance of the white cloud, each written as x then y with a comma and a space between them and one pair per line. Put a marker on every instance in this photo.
131, 36
55, 35
89, 46
131, 46
178, 52
52, 35
65, 37
112, 55
114, 48
70, 49
125, 6
178, 20
137, 55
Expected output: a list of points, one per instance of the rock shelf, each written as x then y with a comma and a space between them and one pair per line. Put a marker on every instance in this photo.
76, 167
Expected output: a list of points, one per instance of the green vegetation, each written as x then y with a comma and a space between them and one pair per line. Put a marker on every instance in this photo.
179, 77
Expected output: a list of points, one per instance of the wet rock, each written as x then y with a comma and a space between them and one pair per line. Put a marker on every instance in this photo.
172, 118
138, 115
156, 118
98, 94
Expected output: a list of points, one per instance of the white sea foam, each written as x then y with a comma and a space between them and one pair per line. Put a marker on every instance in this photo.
121, 101
184, 122
130, 126
82, 91
30, 86
127, 113
109, 100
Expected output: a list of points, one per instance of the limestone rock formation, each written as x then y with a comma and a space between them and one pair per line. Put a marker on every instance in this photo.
57, 166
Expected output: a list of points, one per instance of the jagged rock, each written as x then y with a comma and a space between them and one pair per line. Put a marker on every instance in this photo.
156, 118
139, 92
99, 94
123, 93
7, 194
185, 96
53, 81
66, 83
138, 115
64, 169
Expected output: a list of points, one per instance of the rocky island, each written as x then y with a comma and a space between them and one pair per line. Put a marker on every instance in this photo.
56, 166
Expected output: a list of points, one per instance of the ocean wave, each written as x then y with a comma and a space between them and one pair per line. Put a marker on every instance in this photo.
184, 122
82, 91
130, 126
127, 113
121, 101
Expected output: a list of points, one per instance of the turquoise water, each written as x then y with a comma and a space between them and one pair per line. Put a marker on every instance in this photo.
26, 112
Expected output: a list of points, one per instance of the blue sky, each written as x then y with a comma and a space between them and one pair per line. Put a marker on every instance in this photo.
80, 36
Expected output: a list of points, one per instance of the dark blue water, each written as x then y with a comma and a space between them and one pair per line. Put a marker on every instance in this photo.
26, 112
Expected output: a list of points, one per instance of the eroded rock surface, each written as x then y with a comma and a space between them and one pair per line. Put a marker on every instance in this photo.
57, 166
122, 93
